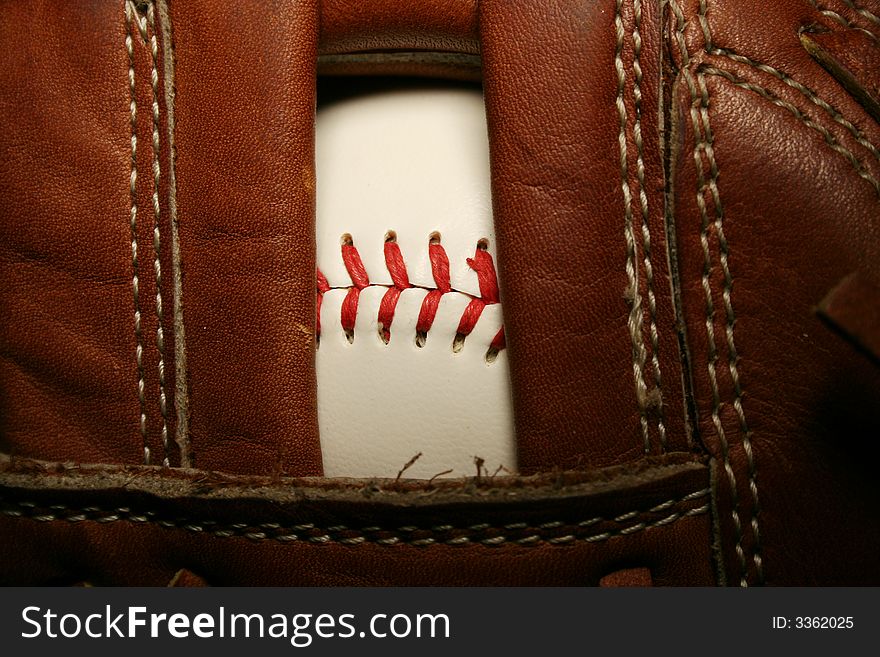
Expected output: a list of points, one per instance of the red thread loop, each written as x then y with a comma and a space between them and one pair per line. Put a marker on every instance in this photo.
396, 265
397, 268
482, 263
440, 271
487, 278
358, 274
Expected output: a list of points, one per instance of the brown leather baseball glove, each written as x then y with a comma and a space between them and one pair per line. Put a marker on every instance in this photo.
686, 197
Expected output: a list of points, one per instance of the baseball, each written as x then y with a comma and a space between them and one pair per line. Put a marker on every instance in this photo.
412, 373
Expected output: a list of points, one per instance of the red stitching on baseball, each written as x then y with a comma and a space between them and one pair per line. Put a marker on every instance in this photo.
440, 272
358, 275
482, 263
397, 269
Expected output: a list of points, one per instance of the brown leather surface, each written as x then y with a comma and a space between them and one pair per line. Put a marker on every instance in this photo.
228, 531
571, 221
627, 577
69, 374
852, 309
775, 174
430, 38
244, 141
398, 25
852, 56
701, 133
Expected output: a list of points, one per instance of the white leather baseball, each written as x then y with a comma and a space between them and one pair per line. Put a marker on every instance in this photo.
407, 165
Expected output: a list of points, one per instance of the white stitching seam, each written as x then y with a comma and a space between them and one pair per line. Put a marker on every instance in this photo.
830, 140
131, 14
808, 93
408, 535
646, 233
833, 15
732, 356
157, 242
702, 145
639, 353
862, 11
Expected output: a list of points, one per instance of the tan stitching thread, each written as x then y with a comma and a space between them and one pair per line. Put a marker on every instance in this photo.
833, 15
702, 144
548, 533
704, 25
680, 25
157, 240
699, 119
732, 355
131, 15
639, 353
830, 140
646, 234
862, 11
811, 95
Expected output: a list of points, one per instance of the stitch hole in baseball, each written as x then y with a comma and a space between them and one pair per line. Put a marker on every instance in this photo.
412, 357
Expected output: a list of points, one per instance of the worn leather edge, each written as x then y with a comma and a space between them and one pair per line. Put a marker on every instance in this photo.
349, 513
851, 309
398, 25
838, 53
181, 401
445, 65
670, 134
246, 235
31, 474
